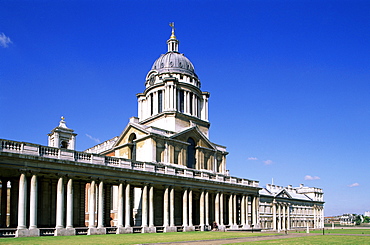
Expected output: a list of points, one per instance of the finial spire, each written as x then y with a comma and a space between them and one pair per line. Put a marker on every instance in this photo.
173, 43
172, 24
62, 123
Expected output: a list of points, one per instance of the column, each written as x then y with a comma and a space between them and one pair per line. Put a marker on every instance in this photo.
60, 203
274, 215
279, 217
234, 209
288, 216
151, 206
120, 206
185, 208
217, 208
33, 202
69, 220
144, 206
101, 205
231, 209
201, 208
207, 207
190, 207
246, 210
92, 205
165, 207
222, 209
172, 206
127, 206
283, 218
22, 202
242, 210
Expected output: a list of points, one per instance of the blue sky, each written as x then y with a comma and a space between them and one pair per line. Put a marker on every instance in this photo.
289, 80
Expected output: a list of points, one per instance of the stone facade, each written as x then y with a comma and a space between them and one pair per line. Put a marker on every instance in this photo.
161, 174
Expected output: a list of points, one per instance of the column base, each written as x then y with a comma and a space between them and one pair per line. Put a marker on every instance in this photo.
246, 226
170, 229
96, 231
124, 230
222, 228
34, 232
189, 228
22, 232
64, 232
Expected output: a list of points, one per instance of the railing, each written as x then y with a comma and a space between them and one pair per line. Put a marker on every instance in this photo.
47, 231
96, 159
7, 232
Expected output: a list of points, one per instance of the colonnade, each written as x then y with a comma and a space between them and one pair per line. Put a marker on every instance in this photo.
179, 209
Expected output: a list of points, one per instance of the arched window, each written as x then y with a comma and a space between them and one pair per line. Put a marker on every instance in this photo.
191, 154
64, 144
132, 146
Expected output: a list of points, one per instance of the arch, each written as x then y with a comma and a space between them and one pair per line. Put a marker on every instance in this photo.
191, 160
132, 146
64, 144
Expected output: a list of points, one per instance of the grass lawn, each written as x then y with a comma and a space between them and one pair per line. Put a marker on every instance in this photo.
129, 238
340, 231
316, 240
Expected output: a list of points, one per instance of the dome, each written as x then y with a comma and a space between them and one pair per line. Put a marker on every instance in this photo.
174, 62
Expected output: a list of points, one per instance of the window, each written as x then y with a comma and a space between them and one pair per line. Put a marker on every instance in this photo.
64, 144
191, 103
132, 146
151, 104
160, 101
191, 154
180, 106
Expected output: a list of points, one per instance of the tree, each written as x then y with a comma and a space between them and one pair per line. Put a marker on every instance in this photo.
366, 219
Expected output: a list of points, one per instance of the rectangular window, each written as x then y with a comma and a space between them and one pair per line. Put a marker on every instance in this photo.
160, 101
180, 106
151, 104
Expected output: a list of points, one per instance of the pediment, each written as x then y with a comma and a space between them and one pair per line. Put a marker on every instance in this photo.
283, 194
128, 131
194, 133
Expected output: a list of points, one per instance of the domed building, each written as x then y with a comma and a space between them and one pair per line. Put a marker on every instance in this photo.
161, 174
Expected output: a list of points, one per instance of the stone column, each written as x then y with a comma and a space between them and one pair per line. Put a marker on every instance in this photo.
33, 202
101, 205
217, 208
127, 206
283, 217
22, 199
165, 207
60, 203
92, 205
279, 217
222, 214
151, 206
288, 214
207, 207
190, 207
253, 211
242, 211
201, 210
235, 210
120, 206
231, 210
69, 219
144, 207
247, 210
185, 208
274, 215
172, 207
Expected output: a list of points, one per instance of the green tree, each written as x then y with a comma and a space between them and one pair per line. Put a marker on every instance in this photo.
366, 219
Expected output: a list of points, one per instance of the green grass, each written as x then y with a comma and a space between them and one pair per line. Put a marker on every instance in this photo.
315, 240
130, 238
340, 231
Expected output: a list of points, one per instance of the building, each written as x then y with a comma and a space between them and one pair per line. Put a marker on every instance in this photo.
161, 174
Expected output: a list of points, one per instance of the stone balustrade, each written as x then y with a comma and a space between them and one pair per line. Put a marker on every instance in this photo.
91, 158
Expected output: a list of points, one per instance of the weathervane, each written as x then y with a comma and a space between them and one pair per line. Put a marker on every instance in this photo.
172, 24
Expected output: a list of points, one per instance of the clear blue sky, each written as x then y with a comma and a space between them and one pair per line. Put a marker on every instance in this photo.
289, 80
